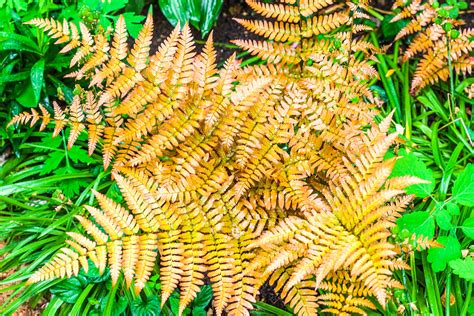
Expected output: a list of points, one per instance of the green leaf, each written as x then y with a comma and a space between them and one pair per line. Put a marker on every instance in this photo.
70, 187
453, 209
443, 219
68, 290
52, 162
174, 304
47, 144
37, 78
175, 11
468, 227
440, 257
27, 98
148, 307
78, 154
202, 14
19, 76
202, 300
118, 307
133, 23
418, 223
210, 10
463, 189
13, 41
464, 268
389, 29
265, 309
93, 275
410, 165
112, 6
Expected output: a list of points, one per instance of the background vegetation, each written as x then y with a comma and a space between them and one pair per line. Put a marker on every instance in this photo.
43, 185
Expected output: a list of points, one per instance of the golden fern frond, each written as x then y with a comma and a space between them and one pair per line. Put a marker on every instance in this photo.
277, 31
279, 11
141, 49
301, 298
272, 52
115, 242
62, 31
273, 171
434, 44
344, 295
354, 244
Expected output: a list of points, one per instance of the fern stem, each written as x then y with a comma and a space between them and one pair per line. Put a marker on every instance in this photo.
465, 306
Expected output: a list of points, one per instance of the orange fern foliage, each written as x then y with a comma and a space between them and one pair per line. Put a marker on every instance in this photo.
433, 43
272, 172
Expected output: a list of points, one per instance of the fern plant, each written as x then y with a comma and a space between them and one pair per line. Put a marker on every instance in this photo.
271, 172
435, 37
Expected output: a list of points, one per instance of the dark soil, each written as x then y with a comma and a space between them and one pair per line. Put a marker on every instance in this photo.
225, 31
226, 28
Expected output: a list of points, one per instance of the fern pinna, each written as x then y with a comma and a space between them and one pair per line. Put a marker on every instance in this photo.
272, 172
434, 41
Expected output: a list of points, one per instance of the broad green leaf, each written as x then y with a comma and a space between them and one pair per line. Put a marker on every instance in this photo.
452, 208
104, 6
418, 223
202, 14
68, 290
464, 268
27, 98
440, 257
410, 165
118, 307
468, 227
150, 306
37, 78
19, 76
463, 188
202, 300
175, 11
210, 10
112, 6
443, 219
174, 304
9, 40
133, 23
